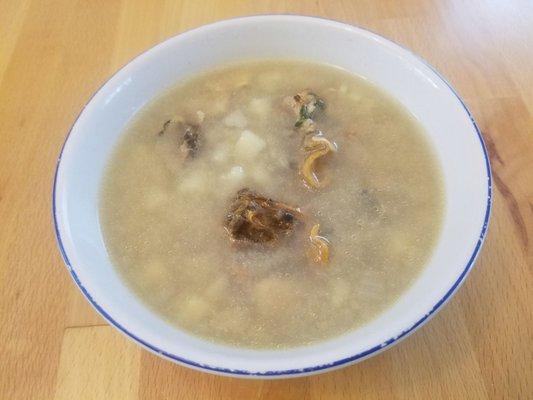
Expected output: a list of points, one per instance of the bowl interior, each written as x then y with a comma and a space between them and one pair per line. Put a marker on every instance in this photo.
419, 88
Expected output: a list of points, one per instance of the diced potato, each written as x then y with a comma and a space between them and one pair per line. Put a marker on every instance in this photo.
401, 246
194, 308
261, 107
236, 119
200, 116
272, 294
217, 289
220, 106
221, 154
397, 242
195, 182
249, 145
232, 320
155, 198
234, 177
152, 272
340, 291
236, 173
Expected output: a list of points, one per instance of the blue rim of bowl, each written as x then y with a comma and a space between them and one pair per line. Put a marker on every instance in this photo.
308, 370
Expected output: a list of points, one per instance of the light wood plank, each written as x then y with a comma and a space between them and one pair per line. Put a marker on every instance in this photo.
97, 363
12, 15
79, 311
41, 92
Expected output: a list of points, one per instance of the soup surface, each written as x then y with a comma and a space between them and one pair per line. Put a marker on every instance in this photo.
271, 203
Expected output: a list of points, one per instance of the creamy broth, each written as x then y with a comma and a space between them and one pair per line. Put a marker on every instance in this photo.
163, 215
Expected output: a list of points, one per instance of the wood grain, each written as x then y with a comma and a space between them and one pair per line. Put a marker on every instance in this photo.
54, 54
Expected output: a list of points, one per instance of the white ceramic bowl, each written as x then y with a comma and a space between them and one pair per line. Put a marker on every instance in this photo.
419, 87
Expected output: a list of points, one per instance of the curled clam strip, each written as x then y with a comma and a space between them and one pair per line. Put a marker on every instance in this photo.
305, 105
319, 249
315, 147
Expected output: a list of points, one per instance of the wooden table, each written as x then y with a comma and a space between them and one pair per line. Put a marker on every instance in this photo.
55, 54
